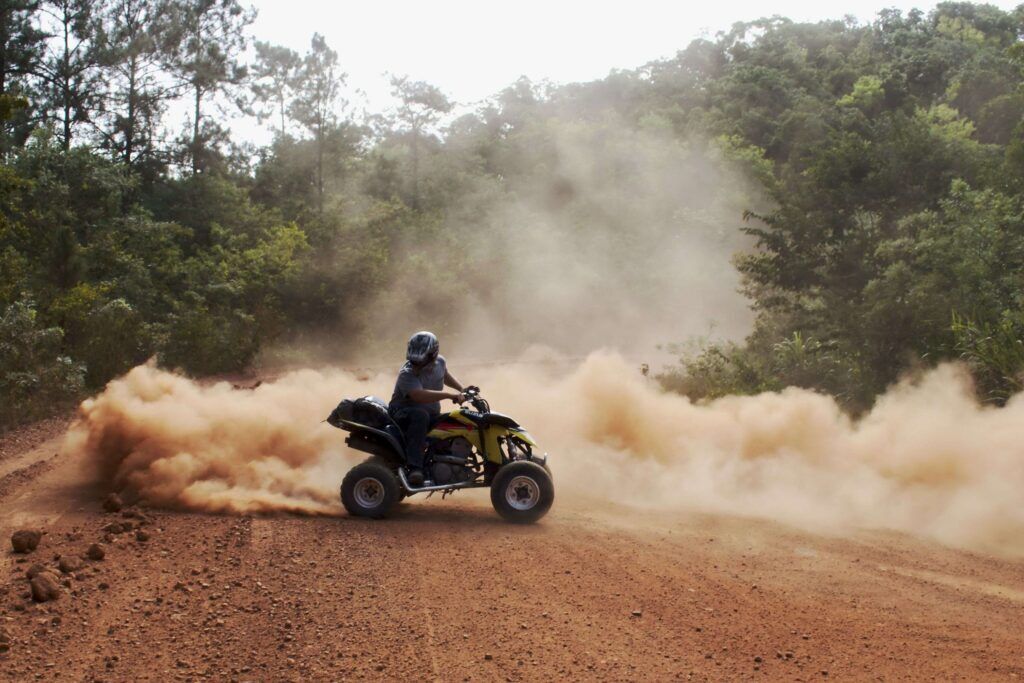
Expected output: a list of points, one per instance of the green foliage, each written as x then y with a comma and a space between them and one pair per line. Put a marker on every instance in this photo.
995, 353
107, 334
712, 371
34, 375
867, 94
896, 208
881, 166
203, 339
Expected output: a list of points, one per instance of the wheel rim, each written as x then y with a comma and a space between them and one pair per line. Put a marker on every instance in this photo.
522, 493
369, 492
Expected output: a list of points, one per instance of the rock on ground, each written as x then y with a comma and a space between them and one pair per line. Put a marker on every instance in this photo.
69, 565
34, 571
113, 503
25, 540
96, 552
45, 587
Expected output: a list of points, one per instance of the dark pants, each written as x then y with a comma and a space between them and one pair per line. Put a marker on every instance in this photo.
416, 423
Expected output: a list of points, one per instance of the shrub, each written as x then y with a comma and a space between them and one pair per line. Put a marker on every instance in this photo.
995, 354
35, 379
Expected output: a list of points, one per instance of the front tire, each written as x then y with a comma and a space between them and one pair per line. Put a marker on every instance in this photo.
522, 492
370, 489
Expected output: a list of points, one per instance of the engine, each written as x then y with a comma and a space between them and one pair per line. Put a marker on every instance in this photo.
451, 461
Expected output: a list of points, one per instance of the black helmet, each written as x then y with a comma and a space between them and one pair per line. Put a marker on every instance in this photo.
423, 347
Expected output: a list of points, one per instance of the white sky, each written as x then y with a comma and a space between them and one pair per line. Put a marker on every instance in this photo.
472, 49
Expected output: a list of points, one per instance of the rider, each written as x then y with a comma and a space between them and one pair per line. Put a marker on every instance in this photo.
419, 390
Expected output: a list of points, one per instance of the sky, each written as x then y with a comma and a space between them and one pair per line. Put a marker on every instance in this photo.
473, 49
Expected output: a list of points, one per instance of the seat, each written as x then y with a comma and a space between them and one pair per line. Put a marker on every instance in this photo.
395, 431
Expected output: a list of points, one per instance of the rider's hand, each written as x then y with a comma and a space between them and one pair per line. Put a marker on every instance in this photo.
458, 397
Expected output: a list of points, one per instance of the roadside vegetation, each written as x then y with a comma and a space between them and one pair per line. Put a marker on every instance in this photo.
890, 154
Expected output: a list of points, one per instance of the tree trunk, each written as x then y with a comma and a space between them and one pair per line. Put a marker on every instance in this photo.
4, 39
3, 81
281, 107
65, 81
320, 167
416, 168
199, 95
129, 131
195, 133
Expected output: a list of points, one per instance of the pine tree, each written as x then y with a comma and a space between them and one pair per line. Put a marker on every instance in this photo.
21, 46
70, 68
274, 82
136, 42
209, 46
317, 100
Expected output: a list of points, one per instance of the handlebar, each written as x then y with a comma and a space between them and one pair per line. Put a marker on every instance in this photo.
471, 394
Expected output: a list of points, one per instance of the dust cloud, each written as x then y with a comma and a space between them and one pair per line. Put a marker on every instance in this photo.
927, 460
608, 237
616, 238
176, 443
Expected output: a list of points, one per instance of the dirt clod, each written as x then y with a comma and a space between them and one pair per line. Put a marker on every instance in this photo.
96, 552
141, 536
69, 565
45, 587
34, 571
113, 503
25, 540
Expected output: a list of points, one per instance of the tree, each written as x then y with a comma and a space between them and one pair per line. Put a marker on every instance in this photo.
209, 43
20, 52
421, 106
35, 377
274, 82
317, 101
137, 39
69, 69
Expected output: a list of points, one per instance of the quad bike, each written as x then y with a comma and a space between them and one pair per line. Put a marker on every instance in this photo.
464, 449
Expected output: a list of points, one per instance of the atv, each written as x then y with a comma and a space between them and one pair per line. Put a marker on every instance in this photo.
465, 449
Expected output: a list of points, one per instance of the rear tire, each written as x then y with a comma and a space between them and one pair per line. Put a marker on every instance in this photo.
522, 492
370, 489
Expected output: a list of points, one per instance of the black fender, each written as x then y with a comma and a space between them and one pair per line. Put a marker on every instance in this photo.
373, 441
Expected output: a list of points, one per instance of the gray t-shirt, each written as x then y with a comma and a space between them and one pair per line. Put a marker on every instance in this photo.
430, 376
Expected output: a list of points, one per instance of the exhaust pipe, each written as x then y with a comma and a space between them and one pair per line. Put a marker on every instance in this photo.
434, 487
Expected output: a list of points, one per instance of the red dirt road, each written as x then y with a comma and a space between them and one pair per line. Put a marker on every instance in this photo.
446, 591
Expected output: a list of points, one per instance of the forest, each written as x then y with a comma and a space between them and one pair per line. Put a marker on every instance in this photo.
867, 177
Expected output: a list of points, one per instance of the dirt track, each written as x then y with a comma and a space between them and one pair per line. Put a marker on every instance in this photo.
445, 591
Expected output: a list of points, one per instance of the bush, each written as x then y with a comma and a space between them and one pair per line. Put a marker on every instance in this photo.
995, 354
108, 335
204, 340
711, 370
35, 379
